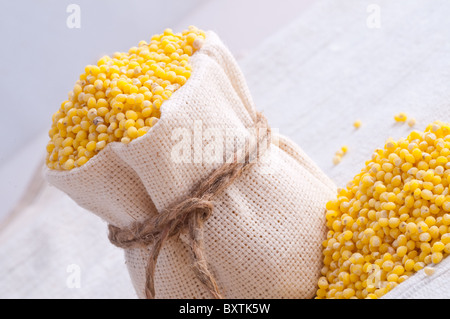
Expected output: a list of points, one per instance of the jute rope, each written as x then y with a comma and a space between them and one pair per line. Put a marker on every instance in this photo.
190, 213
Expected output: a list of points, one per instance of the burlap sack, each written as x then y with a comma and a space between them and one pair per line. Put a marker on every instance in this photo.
263, 239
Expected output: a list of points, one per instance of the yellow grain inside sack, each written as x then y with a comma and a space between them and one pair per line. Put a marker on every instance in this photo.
119, 98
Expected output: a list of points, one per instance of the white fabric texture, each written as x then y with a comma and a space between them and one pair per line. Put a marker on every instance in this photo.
328, 69
56, 249
264, 237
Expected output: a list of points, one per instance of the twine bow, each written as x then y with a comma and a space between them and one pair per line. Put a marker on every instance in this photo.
190, 214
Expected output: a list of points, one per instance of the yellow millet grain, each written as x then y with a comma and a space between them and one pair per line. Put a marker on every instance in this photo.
400, 117
119, 98
392, 220
357, 124
339, 154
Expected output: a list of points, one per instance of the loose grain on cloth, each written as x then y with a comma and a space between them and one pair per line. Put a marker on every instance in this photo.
263, 238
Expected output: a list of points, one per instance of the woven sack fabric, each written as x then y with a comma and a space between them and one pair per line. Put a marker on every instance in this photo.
264, 237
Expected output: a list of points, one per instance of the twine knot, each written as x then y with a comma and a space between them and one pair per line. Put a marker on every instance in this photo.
190, 214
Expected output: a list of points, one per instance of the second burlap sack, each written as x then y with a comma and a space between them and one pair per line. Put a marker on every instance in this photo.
264, 236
